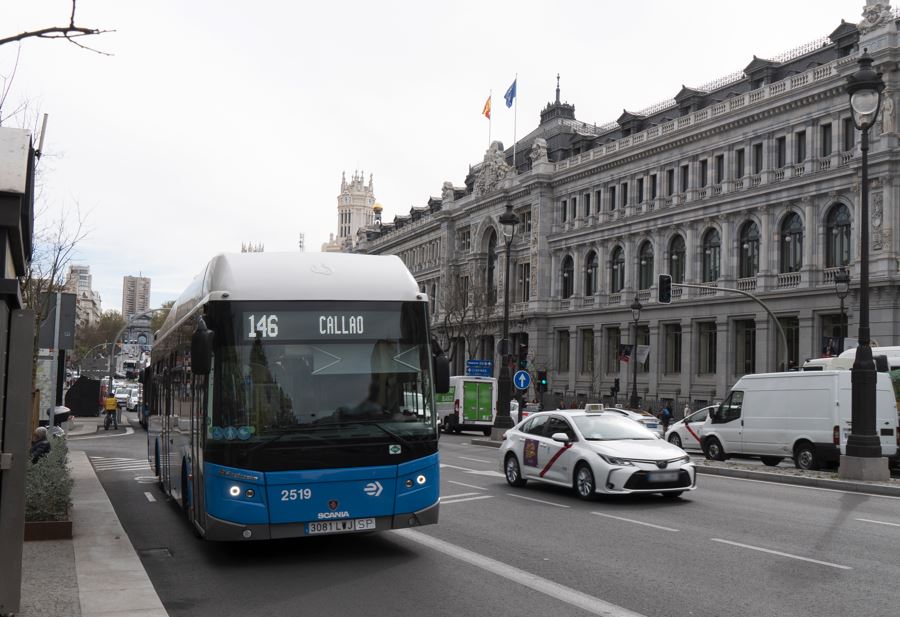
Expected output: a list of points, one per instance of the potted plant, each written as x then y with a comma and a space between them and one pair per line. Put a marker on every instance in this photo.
48, 495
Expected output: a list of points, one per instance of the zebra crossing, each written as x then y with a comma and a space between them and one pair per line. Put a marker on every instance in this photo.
111, 463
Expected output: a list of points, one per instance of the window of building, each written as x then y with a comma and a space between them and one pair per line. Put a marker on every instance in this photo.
757, 158
744, 347
676, 259
833, 328
740, 165
749, 261
598, 200
706, 361
791, 327
524, 282
562, 352
704, 172
587, 204
653, 189
685, 176
464, 287
573, 204
590, 274
799, 147
612, 198
781, 152
837, 237
643, 338
670, 182
568, 278
587, 351
564, 210
526, 222
464, 239
645, 269
624, 194
673, 348
613, 341
791, 243
720, 168
617, 270
640, 190
492, 268
849, 134
825, 134
712, 247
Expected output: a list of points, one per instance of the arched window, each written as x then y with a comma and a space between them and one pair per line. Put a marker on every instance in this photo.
837, 237
590, 274
676, 259
568, 276
749, 260
791, 243
492, 268
645, 266
617, 270
712, 250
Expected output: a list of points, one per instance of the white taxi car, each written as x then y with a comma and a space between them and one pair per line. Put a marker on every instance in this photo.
685, 433
594, 452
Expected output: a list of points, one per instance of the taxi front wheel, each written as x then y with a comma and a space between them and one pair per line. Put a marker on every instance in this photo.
584, 482
513, 473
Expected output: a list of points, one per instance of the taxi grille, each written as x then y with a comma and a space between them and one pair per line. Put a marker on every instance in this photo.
639, 482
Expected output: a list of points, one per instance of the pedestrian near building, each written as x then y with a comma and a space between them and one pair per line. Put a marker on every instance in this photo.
40, 445
665, 415
687, 410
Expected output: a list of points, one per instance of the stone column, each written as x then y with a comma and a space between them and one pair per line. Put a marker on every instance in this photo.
654, 358
573, 357
687, 357
722, 358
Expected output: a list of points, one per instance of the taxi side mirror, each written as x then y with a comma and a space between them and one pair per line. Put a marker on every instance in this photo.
560, 437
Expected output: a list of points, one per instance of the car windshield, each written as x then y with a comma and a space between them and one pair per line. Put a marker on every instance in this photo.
608, 428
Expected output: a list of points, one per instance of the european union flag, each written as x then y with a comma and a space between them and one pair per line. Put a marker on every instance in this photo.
511, 93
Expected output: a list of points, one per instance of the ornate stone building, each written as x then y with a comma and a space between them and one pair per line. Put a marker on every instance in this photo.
750, 182
354, 211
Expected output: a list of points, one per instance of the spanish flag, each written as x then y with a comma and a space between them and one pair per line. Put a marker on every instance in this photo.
486, 112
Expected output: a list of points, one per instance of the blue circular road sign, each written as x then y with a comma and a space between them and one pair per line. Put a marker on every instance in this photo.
522, 380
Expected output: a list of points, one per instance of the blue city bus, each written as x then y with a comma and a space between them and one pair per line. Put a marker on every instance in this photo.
292, 394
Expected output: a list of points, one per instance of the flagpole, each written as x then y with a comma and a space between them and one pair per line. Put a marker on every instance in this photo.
490, 96
515, 119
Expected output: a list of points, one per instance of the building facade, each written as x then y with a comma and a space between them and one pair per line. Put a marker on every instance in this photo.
87, 301
749, 183
354, 205
135, 295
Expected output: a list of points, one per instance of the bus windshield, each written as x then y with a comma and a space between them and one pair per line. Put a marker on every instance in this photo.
313, 373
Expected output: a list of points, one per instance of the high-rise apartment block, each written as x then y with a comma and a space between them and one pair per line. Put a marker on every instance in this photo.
87, 301
135, 295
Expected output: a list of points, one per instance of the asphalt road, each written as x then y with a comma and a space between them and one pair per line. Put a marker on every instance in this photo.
731, 548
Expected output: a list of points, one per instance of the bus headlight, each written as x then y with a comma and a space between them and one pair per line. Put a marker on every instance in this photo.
234, 491
421, 479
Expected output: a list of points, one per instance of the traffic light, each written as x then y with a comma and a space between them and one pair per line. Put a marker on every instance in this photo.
523, 357
616, 385
664, 289
542, 381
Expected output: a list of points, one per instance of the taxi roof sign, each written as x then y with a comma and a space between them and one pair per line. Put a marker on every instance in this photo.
593, 408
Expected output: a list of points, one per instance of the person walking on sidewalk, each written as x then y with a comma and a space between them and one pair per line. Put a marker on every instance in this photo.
665, 416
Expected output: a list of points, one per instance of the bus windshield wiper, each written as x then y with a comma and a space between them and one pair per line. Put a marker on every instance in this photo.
399, 438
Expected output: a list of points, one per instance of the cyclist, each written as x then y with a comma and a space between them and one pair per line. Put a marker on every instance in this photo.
111, 407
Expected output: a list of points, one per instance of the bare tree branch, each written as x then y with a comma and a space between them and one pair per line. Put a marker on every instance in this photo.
69, 33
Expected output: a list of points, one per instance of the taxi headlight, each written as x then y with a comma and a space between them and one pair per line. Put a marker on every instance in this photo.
684, 459
615, 460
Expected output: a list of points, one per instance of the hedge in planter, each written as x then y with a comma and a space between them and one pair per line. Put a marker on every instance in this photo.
48, 494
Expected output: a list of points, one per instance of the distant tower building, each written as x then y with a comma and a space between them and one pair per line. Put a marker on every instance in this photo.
87, 301
354, 211
135, 295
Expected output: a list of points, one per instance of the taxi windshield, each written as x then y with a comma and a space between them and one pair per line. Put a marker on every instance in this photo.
608, 428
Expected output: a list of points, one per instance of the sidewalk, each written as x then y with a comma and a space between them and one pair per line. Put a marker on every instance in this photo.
98, 572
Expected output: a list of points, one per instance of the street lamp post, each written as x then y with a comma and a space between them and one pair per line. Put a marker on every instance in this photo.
863, 460
842, 288
636, 313
503, 421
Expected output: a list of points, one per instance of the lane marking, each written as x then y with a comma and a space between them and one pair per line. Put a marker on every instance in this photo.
476, 472
779, 553
868, 520
631, 520
570, 596
457, 495
549, 503
812, 488
477, 460
466, 499
128, 431
149, 496
480, 488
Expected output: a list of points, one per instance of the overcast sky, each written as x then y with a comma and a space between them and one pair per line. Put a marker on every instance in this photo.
217, 122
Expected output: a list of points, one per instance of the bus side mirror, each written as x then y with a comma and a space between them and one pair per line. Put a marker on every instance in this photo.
441, 374
201, 350
881, 364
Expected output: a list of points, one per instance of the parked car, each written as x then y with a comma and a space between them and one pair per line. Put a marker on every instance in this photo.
684, 433
123, 393
594, 452
646, 418
134, 399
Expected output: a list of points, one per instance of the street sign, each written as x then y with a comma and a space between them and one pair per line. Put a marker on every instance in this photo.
480, 368
522, 380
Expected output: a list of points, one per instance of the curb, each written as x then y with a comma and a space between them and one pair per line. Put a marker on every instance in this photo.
837, 485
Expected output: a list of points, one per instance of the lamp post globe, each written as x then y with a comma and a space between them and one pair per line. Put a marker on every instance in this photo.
502, 421
863, 452
842, 288
636, 314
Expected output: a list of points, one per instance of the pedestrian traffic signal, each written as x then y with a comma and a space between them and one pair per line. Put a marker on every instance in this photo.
523, 357
542, 381
664, 289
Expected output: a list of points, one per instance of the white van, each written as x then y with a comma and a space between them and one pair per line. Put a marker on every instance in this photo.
469, 405
805, 416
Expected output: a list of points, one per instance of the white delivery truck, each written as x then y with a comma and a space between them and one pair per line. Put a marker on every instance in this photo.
470, 404
802, 415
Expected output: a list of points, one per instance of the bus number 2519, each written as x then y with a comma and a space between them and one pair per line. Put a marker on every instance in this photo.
296, 493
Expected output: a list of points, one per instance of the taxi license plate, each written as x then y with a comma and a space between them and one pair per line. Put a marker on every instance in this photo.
342, 526
652, 425
662, 476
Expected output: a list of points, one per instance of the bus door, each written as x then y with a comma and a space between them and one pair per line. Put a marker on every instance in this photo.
165, 437
198, 430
